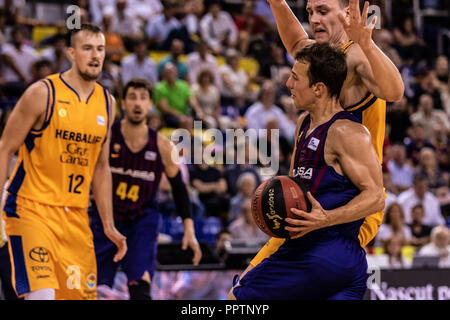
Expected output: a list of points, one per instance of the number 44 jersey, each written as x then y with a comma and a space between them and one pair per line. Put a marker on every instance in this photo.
136, 175
56, 163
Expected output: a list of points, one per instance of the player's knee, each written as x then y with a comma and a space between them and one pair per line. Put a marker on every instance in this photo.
139, 290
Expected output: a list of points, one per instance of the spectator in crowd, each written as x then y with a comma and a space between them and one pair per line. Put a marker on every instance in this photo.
393, 250
235, 82
139, 65
439, 246
428, 83
96, 9
125, 22
246, 185
113, 41
429, 167
397, 117
173, 97
393, 225
217, 28
428, 116
176, 50
258, 114
442, 72
443, 195
243, 162
420, 232
402, 173
441, 143
417, 142
189, 25
244, 227
420, 193
251, 28
211, 186
57, 54
200, 60
208, 97
390, 190
410, 45
41, 69
159, 28
146, 10
222, 237
274, 63
110, 78
18, 58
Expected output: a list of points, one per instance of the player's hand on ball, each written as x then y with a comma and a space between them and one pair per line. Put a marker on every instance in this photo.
189, 240
119, 240
307, 221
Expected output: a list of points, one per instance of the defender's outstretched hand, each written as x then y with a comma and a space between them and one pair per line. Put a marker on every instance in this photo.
356, 27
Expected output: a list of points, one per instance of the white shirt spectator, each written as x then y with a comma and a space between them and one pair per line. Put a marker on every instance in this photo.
128, 25
196, 64
96, 8
385, 232
257, 117
160, 28
23, 59
132, 69
432, 209
146, 9
401, 175
212, 30
431, 250
238, 78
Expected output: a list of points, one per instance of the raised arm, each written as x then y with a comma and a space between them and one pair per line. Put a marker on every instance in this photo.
170, 160
291, 32
378, 73
27, 114
102, 190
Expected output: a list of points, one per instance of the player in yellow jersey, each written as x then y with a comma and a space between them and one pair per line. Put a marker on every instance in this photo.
61, 128
372, 78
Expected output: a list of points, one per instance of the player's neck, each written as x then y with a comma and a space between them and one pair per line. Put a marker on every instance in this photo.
132, 130
82, 87
323, 111
342, 39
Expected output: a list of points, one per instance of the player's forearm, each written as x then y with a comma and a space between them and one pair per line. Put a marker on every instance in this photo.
366, 203
5, 161
289, 28
383, 68
102, 190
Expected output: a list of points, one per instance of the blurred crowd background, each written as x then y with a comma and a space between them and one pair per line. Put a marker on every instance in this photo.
222, 62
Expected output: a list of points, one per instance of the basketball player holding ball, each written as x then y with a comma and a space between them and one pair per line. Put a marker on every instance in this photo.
335, 159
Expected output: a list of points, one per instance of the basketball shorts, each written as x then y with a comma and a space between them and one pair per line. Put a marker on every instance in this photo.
50, 248
333, 270
141, 234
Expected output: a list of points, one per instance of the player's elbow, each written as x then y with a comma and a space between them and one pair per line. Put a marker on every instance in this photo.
396, 93
378, 200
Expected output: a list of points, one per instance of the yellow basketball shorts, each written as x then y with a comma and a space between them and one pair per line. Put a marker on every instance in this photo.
50, 247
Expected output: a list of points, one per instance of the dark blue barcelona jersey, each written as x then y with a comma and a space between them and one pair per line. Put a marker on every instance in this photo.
329, 188
136, 176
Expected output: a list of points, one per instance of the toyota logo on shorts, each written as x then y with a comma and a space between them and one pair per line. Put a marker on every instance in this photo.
39, 254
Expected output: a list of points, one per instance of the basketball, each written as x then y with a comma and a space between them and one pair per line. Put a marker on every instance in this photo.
272, 203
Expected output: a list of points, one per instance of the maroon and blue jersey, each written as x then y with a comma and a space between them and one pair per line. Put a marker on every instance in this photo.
136, 176
329, 188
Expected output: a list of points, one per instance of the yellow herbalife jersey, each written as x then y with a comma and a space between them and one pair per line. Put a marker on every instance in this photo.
56, 163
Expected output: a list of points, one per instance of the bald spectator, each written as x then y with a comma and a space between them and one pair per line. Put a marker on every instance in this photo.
217, 28
402, 173
176, 50
420, 193
439, 246
428, 116
258, 114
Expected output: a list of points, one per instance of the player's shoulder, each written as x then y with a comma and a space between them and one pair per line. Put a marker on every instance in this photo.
349, 130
